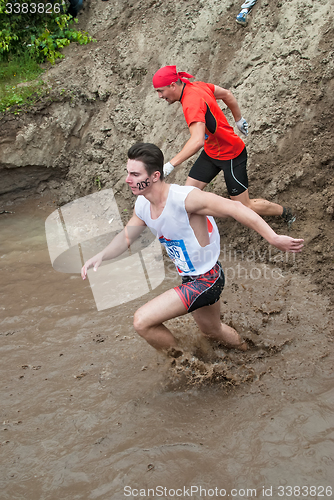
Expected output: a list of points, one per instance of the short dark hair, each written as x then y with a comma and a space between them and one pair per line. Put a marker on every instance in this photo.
150, 155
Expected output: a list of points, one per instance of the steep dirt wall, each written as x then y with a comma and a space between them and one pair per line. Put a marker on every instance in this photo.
36, 147
280, 67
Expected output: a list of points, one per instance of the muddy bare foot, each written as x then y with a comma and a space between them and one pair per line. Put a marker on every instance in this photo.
243, 346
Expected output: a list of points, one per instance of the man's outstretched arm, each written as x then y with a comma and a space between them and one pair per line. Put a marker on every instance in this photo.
117, 246
203, 203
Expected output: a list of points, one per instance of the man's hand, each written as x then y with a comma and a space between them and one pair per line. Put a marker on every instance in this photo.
168, 167
117, 246
93, 262
288, 244
242, 126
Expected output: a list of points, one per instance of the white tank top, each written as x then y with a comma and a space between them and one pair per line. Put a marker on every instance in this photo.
176, 234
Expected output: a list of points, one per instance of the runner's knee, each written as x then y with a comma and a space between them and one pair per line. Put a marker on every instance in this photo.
140, 324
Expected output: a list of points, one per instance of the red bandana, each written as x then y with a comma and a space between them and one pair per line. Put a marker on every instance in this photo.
167, 75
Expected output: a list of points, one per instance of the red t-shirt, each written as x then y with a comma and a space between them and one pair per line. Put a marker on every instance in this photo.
199, 105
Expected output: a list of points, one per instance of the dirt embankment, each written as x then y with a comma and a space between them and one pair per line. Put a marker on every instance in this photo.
280, 68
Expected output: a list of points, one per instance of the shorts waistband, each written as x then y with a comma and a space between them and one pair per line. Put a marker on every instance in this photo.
186, 279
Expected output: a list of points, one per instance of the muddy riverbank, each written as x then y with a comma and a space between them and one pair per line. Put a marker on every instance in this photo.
89, 409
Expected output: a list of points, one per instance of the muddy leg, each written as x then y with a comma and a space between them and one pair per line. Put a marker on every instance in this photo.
148, 319
208, 320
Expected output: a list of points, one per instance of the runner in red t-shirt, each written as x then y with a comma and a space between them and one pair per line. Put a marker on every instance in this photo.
208, 126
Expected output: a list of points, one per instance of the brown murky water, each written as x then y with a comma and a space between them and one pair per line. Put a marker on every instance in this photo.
90, 411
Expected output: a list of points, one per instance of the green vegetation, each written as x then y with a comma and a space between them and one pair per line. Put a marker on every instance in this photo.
97, 183
15, 72
40, 29
31, 33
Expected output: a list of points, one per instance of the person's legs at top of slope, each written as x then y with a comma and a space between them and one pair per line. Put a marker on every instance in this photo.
205, 169
245, 10
75, 7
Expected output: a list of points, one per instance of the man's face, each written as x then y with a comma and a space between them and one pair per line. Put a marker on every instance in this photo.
170, 93
138, 178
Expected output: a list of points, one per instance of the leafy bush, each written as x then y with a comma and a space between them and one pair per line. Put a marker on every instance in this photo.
41, 29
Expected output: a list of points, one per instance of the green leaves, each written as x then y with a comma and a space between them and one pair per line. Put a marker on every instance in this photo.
31, 33
39, 29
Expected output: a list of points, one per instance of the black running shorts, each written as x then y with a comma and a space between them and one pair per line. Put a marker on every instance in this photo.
202, 290
206, 168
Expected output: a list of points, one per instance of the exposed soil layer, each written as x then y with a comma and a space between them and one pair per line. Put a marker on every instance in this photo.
280, 68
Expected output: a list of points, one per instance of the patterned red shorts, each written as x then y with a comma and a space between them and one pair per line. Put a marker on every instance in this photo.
202, 290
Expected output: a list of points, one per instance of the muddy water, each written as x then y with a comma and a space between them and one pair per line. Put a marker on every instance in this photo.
90, 411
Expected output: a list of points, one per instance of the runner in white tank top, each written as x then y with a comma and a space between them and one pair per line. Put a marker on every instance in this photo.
174, 231
180, 215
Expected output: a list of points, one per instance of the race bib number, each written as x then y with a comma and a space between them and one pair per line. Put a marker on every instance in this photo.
177, 251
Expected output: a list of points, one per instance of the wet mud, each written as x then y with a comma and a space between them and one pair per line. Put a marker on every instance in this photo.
90, 411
